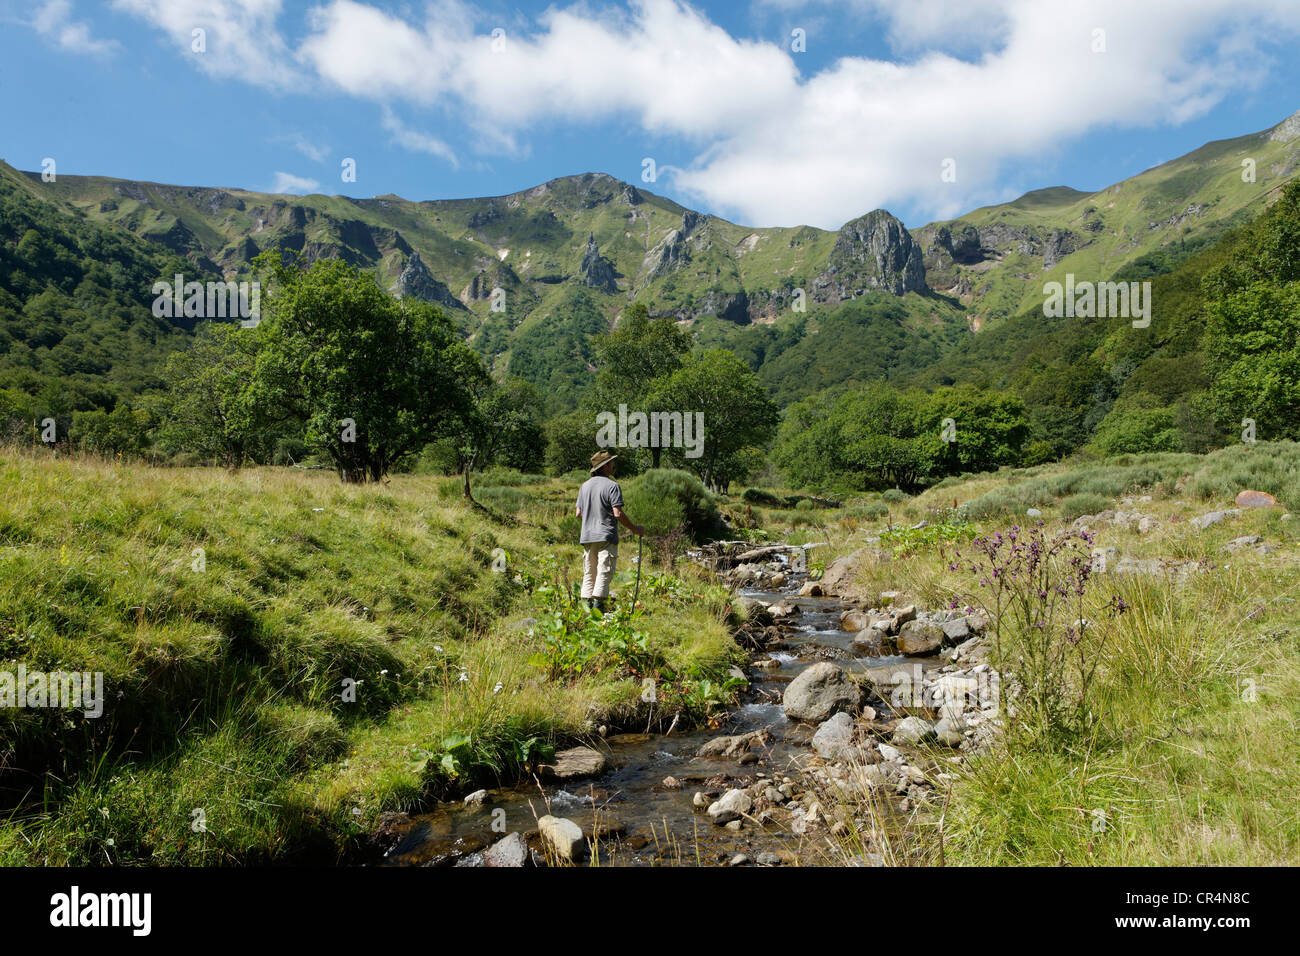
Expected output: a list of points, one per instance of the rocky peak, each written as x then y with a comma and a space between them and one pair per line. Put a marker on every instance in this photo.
597, 272
417, 282
872, 252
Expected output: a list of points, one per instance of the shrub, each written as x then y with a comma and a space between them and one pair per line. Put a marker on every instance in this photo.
894, 496
757, 496
1086, 503
666, 500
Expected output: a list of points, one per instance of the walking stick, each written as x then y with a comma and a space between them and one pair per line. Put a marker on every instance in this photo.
637, 590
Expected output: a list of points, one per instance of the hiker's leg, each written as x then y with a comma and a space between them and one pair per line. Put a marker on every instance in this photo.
589, 564
607, 559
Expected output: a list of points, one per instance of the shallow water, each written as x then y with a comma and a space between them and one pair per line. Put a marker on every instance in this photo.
644, 822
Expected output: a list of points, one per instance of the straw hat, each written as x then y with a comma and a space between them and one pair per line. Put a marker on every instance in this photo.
600, 460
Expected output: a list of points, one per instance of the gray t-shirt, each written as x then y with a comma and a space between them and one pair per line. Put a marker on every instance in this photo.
597, 499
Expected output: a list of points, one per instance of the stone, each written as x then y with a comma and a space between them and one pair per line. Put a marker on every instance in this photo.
767, 858
912, 731
510, 851
841, 572
700, 800
730, 807
476, 799
564, 837
855, 620
781, 611
903, 614
1236, 544
811, 589
820, 691
1033, 513
871, 638
919, 637
738, 860
573, 763
1212, 518
1255, 499
955, 631
834, 738
949, 732
671, 783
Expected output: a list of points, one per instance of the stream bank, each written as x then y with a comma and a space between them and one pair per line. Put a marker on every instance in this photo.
847, 719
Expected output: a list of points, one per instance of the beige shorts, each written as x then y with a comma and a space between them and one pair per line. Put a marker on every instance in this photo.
598, 562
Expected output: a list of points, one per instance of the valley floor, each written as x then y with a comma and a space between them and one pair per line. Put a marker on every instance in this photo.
288, 661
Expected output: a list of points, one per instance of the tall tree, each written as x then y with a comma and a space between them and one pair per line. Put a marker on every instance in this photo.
638, 352
738, 415
373, 377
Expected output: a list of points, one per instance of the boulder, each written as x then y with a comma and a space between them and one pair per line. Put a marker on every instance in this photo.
811, 589
573, 763
1255, 499
563, 836
510, 850
834, 738
842, 572
919, 637
730, 806
819, 692
855, 620
956, 631
912, 731
904, 614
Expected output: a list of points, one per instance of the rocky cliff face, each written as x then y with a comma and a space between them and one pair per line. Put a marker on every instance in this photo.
873, 252
596, 271
417, 282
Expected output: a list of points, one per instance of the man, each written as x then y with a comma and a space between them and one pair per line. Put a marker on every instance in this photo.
600, 506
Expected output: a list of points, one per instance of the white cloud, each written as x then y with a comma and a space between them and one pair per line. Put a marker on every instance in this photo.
302, 144
53, 19
769, 145
417, 141
289, 183
241, 38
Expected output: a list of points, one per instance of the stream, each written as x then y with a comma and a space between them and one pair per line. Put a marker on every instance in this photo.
635, 818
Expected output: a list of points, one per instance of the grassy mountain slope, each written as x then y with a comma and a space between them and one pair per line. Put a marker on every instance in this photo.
569, 254
996, 259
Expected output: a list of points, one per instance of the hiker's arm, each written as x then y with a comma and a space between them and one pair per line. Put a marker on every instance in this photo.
636, 529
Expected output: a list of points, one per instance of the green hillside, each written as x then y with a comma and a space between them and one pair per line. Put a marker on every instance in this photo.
995, 260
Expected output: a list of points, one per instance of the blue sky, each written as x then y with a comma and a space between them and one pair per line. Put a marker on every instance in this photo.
1018, 94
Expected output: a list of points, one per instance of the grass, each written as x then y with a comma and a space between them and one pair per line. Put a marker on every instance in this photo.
230, 744
227, 611
1199, 690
